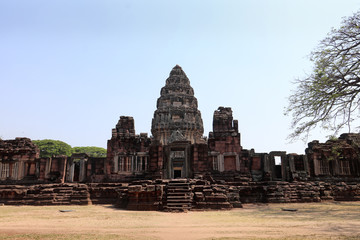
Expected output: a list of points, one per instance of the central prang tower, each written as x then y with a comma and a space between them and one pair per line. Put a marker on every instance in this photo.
177, 117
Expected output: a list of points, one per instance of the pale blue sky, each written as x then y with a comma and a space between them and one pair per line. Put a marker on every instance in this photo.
69, 69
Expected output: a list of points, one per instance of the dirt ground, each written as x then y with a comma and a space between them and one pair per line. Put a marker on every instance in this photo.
331, 220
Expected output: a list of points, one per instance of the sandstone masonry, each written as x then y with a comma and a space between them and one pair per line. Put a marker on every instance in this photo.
177, 168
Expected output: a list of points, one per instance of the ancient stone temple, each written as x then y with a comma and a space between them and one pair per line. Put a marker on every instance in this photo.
178, 148
177, 167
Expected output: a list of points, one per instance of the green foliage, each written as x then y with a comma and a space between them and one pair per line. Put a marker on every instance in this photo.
50, 148
91, 151
335, 153
333, 138
329, 96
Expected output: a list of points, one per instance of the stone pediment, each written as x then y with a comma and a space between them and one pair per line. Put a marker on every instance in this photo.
177, 136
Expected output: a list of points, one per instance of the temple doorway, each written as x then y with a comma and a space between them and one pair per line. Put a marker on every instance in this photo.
177, 160
76, 171
177, 172
177, 163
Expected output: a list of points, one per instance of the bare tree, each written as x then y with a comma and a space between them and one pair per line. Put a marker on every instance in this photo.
329, 96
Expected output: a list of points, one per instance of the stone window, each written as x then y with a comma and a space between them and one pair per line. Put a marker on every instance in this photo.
324, 167
299, 164
344, 167
15, 169
121, 165
215, 163
138, 164
141, 163
124, 164
128, 164
4, 170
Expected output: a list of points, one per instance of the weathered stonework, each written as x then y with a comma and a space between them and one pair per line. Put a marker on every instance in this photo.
18, 159
127, 153
178, 169
335, 158
177, 117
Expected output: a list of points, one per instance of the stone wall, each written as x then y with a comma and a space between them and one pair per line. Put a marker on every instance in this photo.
295, 192
45, 194
61, 194
152, 195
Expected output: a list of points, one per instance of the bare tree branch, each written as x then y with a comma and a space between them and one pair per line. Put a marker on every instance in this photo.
329, 96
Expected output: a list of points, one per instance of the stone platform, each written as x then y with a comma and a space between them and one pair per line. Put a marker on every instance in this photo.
179, 194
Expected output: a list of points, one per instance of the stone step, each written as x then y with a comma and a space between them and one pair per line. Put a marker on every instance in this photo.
179, 200
178, 186
178, 190
177, 205
177, 209
178, 180
179, 194
178, 197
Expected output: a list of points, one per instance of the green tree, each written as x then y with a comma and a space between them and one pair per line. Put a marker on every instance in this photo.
91, 151
50, 148
329, 96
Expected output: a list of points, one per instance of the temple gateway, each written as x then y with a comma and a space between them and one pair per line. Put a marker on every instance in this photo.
177, 167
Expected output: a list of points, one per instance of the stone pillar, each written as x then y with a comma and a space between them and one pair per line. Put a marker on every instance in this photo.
71, 172
291, 163
20, 171
116, 163
221, 162
63, 170
316, 166
82, 173
48, 167
306, 165
146, 163
237, 162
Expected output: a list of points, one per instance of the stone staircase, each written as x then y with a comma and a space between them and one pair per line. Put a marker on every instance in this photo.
179, 196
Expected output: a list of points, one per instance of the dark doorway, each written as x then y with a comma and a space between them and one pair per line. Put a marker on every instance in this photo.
278, 172
76, 171
177, 173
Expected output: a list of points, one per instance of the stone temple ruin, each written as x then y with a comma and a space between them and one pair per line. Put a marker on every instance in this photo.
177, 168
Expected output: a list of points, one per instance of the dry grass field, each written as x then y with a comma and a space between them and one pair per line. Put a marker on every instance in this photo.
312, 221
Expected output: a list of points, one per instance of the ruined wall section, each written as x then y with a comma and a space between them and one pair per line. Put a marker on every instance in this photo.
53, 169
224, 143
200, 164
18, 159
336, 158
127, 153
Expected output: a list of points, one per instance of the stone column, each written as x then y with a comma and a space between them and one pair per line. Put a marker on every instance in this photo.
116, 163
237, 162
221, 162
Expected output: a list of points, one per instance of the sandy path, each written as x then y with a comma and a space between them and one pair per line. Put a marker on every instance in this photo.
262, 221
